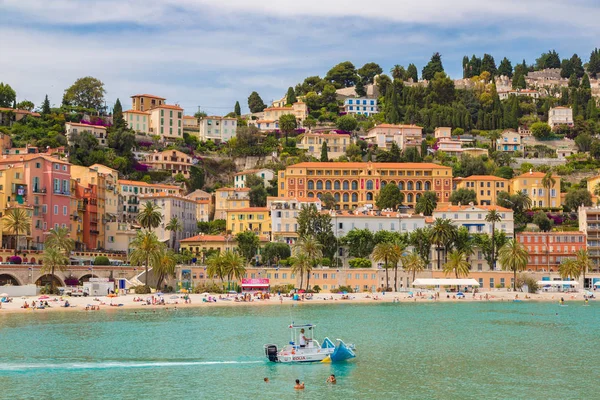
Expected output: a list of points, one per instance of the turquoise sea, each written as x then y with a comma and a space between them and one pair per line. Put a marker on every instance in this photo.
405, 351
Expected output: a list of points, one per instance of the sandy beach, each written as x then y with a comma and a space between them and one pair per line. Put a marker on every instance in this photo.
104, 303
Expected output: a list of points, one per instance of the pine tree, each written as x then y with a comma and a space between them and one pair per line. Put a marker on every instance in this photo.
46, 106
412, 73
237, 109
577, 65
585, 82
255, 103
488, 64
521, 82
592, 110
434, 65
360, 89
291, 96
15, 104
324, 156
573, 81
505, 68
594, 64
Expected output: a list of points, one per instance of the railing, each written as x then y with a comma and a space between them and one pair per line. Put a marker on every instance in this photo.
36, 189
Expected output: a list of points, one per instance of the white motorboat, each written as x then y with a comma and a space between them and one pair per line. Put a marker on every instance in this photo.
304, 348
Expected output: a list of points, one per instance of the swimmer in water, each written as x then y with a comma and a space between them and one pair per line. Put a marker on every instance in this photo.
299, 386
331, 379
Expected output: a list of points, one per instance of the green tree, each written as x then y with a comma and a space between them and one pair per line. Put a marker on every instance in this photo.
548, 60
568, 269
421, 240
442, 89
388, 254
548, 183
360, 242
342, 75
287, 125
17, 221
324, 156
360, 89
309, 123
434, 65
301, 266
291, 96
310, 248
584, 262
7, 95
347, 123
166, 262
196, 180
426, 203
274, 252
578, 197
118, 120
593, 66
215, 266
513, 257
258, 196
46, 106
87, 92
255, 103
368, 71
122, 140
413, 262
389, 197
360, 263
457, 264
237, 109
488, 64
312, 223
398, 72
59, 238
25, 105
542, 221
412, 73
101, 260
233, 266
541, 130
573, 81
329, 202
247, 244
505, 68
463, 196
146, 249
492, 217
174, 226
52, 260
442, 235
150, 216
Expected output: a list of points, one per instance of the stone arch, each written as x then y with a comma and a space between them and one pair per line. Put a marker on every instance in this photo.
8, 279
337, 185
336, 196
409, 185
346, 185
401, 185
346, 197
354, 185
354, 197
311, 185
369, 196
328, 185
311, 195
45, 280
409, 198
319, 185
86, 278
419, 185
369, 184
427, 185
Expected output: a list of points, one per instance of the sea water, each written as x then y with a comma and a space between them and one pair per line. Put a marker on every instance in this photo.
404, 351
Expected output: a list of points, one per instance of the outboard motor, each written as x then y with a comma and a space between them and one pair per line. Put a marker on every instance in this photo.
271, 352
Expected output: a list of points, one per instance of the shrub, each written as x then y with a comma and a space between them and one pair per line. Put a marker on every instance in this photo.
347, 289
360, 263
208, 288
316, 288
101, 260
530, 281
285, 289
142, 289
15, 260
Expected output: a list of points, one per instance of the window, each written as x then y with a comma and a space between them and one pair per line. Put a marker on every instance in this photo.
55, 210
65, 210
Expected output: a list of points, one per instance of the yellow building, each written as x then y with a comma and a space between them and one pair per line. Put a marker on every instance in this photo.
173, 161
205, 204
167, 122
593, 185
139, 121
145, 102
486, 187
77, 208
13, 194
355, 184
230, 199
255, 219
111, 201
531, 183
336, 144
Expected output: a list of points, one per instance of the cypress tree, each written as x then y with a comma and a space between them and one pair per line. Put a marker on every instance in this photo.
412, 73
237, 109
118, 121
46, 106
573, 81
291, 96
505, 68
324, 155
585, 82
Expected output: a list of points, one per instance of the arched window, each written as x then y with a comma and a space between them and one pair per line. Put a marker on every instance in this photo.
354, 197
383, 183
369, 185
336, 196
409, 197
409, 186
427, 185
418, 196
311, 194
419, 186
345, 185
369, 196
319, 196
354, 185
311, 185
319, 185
327, 185
401, 185
345, 197
336, 185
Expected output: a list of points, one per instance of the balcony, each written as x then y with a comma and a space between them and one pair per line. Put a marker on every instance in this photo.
62, 192
38, 190
133, 201
94, 232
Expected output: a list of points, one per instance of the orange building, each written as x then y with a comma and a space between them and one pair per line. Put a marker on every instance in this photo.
548, 249
357, 183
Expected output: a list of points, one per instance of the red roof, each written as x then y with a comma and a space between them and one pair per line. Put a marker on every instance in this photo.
148, 95
467, 207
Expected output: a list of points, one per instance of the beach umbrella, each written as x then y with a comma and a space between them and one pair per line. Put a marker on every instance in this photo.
3, 294
460, 294
43, 297
410, 293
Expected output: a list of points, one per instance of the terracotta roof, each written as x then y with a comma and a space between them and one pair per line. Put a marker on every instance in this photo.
330, 165
290, 108
27, 157
231, 189
250, 209
19, 111
395, 126
483, 178
165, 195
140, 183
148, 95
467, 207
215, 238
189, 117
136, 112
372, 214
168, 106
85, 125
535, 175
300, 199
551, 233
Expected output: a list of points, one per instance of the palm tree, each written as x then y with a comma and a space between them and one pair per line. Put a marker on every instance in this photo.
514, 257
387, 253
233, 266
300, 265
583, 261
59, 238
17, 221
163, 265
457, 263
53, 259
426, 203
522, 201
215, 266
146, 248
464, 242
443, 233
309, 246
548, 182
174, 226
493, 216
414, 263
494, 136
150, 216
399, 248
569, 269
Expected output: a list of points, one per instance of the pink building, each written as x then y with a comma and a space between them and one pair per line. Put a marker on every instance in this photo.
48, 187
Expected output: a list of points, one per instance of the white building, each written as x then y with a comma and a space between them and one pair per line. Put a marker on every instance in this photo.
360, 106
74, 128
504, 94
264, 173
510, 141
284, 214
174, 206
560, 116
404, 136
374, 220
217, 129
473, 218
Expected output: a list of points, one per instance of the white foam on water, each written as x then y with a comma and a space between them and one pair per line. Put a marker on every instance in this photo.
110, 365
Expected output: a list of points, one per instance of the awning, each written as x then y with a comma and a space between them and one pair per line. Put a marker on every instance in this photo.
257, 285
445, 282
557, 283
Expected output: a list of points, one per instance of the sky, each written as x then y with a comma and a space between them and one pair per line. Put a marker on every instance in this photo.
212, 53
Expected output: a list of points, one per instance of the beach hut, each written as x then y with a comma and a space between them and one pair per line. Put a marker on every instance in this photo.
547, 285
439, 282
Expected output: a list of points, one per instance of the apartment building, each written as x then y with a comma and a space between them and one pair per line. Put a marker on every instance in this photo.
472, 217
130, 192
443, 132
284, 214
404, 136
204, 204
355, 184
74, 129
91, 187
230, 199
173, 206
173, 161
167, 122
560, 116
139, 121
510, 141
217, 129
239, 180
486, 187
360, 106
531, 183
146, 102
548, 249
254, 219
336, 144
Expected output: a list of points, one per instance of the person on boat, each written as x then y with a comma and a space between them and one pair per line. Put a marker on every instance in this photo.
299, 386
331, 379
303, 339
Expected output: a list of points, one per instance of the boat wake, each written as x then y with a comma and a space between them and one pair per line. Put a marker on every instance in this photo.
6, 367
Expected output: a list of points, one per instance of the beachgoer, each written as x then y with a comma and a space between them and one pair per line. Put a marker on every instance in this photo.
299, 386
586, 301
302, 338
331, 379
562, 301
266, 380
